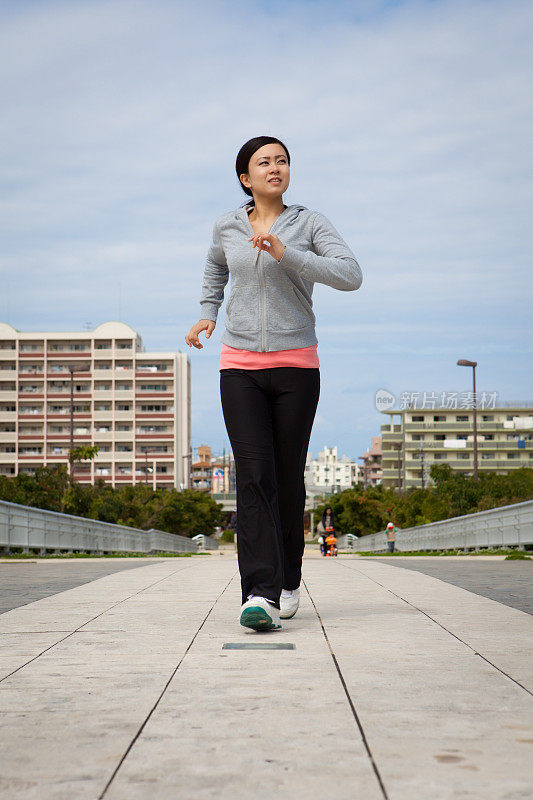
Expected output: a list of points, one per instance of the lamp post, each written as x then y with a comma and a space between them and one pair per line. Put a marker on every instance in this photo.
465, 363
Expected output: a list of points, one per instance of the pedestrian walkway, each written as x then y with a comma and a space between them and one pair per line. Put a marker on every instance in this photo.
400, 686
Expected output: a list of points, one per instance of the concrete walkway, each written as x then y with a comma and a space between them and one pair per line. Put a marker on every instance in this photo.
400, 686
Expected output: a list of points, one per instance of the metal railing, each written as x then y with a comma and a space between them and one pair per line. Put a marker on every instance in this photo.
507, 526
33, 528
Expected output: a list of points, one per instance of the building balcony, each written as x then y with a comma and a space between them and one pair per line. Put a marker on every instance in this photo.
455, 426
124, 436
68, 355
169, 436
140, 373
8, 416
155, 415
123, 374
124, 415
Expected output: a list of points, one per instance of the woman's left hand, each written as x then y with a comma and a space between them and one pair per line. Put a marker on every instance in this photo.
268, 242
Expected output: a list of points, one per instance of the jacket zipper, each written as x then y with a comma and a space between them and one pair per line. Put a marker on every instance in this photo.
263, 308
262, 288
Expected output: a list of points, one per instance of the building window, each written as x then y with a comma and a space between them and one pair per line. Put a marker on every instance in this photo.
461, 418
417, 419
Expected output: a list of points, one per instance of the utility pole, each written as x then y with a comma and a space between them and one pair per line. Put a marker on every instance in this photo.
463, 362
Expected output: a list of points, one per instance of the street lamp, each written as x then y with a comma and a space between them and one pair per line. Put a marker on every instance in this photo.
465, 363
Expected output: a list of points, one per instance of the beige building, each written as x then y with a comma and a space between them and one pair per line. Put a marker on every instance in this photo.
330, 472
415, 439
134, 405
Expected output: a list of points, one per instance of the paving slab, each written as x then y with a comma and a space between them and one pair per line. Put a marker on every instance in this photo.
23, 581
400, 686
508, 582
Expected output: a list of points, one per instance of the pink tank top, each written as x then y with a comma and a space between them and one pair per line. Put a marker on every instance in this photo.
252, 359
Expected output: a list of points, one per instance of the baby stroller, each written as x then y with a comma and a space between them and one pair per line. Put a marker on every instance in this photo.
331, 543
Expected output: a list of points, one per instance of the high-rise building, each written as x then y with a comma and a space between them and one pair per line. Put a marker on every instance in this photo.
417, 438
101, 388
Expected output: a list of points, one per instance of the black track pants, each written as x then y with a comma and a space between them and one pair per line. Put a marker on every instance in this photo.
269, 415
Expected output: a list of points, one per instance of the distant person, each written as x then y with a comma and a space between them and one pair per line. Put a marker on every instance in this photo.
328, 526
391, 536
269, 369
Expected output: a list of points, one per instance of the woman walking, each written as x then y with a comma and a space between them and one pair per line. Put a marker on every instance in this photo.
269, 368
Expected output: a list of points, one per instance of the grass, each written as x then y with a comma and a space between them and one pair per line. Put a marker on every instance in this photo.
159, 554
510, 553
518, 555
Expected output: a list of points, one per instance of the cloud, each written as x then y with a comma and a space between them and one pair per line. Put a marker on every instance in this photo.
409, 127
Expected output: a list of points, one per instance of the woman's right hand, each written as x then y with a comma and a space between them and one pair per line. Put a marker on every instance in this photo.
202, 325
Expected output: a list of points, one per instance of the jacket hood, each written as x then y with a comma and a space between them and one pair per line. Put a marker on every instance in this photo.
290, 214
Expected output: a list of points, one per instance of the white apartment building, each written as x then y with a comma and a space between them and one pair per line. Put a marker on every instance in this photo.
329, 473
134, 405
415, 439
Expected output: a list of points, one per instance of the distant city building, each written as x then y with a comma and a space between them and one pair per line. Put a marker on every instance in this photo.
329, 473
415, 439
136, 406
372, 468
213, 474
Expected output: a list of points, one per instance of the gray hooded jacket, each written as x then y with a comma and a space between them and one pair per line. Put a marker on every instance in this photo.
270, 305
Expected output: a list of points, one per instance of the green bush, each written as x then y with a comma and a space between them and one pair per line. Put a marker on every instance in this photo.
227, 535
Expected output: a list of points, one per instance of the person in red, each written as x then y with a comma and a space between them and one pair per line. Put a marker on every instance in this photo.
269, 367
391, 536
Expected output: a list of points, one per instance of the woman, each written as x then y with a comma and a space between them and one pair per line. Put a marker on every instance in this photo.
328, 521
269, 368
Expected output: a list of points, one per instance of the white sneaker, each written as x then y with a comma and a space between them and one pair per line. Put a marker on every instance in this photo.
289, 602
260, 614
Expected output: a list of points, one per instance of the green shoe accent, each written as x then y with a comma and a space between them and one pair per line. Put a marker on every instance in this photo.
257, 618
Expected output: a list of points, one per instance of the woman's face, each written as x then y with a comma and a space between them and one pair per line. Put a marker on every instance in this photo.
268, 173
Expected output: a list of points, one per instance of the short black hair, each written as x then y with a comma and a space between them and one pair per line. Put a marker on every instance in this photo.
246, 152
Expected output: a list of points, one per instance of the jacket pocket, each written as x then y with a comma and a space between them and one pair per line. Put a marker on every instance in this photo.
242, 311
305, 305
287, 311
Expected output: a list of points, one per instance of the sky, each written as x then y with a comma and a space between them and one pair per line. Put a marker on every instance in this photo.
409, 126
